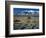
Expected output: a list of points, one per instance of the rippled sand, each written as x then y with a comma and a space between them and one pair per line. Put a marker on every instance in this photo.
26, 23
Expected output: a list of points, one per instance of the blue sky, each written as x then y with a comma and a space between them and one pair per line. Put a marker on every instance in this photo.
24, 10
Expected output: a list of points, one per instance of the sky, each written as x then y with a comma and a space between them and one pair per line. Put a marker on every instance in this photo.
22, 11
